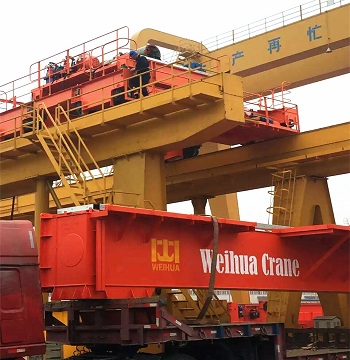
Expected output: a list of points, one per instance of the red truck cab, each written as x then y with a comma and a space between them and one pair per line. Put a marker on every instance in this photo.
21, 305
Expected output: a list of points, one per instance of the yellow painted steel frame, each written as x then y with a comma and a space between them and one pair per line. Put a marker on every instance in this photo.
198, 111
300, 58
168, 41
323, 152
311, 206
214, 107
298, 50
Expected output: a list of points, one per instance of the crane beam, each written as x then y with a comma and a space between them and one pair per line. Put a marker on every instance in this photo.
304, 50
322, 153
167, 250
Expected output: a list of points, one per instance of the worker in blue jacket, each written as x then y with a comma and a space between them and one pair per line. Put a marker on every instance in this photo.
142, 68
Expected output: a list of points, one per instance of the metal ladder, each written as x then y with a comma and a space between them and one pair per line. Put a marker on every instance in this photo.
65, 148
282, 195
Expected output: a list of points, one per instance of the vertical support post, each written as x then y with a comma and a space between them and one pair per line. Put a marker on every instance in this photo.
225, 206
311, 206
41, 203
199, 205
41, 206
139, 180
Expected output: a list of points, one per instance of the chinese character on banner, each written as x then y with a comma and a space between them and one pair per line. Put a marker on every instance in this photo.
311, 33
274, 44
237, 55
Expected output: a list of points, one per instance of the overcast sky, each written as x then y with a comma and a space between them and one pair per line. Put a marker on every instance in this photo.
34, 29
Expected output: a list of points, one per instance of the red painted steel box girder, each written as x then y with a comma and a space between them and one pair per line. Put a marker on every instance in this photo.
121, 252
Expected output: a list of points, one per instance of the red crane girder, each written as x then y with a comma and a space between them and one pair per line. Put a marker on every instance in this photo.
122, 252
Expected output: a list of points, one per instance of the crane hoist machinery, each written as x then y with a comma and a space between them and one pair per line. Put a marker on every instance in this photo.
94, 76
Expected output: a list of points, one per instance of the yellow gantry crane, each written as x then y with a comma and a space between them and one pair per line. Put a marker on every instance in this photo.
131, 138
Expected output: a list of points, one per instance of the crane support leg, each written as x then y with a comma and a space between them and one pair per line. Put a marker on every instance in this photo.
311, 206
139, 180
41, 203
337, 305
226, 206
284, 306
199, 205
42, 193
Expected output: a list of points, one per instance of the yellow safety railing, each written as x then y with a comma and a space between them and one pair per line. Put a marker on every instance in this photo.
272, 22
66, 154
173, 75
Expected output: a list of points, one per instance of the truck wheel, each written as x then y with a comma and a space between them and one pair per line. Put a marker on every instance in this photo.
223, 352
219, 351
179, 357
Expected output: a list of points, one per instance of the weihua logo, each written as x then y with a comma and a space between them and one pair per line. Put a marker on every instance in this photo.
242, 264
165, 255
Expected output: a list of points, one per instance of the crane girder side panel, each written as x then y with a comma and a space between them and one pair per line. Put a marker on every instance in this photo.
233, 97
64, 257
145, 249
291, 43
299, 58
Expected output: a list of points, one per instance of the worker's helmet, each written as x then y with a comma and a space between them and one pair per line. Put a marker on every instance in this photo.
132, 53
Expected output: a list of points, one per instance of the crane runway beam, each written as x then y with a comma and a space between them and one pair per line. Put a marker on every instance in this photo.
322, 152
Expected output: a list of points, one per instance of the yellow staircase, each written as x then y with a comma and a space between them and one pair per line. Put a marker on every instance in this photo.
68, 154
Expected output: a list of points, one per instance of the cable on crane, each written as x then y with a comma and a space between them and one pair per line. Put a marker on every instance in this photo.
213, 269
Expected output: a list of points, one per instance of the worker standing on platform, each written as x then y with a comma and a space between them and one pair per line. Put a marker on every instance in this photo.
142, 68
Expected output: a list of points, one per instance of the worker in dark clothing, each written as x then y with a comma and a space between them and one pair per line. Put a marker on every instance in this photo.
142, 68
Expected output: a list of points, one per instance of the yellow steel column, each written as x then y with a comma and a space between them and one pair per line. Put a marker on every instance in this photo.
41, 203
283, 306
41, 206
337, 305
225, 206
139, 180
311, 206
199, 205
312, 203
